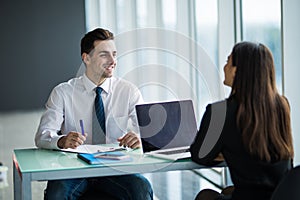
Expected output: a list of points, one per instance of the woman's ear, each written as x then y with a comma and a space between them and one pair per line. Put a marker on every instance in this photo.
232, 74
233, 71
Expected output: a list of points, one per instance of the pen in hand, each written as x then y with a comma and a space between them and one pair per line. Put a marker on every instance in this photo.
82, 128
81, 125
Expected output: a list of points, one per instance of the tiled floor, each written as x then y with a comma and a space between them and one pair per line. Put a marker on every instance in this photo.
17, 130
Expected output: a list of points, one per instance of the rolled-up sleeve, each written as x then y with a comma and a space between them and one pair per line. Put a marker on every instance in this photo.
51, 121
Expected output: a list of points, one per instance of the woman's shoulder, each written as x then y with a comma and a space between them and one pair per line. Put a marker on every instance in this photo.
230, 102
285, 100
223, 109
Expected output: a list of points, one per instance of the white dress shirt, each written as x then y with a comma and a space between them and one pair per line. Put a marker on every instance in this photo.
74, 100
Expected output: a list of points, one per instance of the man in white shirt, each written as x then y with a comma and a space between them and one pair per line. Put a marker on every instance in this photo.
74, 100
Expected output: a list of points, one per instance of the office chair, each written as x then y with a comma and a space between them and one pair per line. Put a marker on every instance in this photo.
288, 188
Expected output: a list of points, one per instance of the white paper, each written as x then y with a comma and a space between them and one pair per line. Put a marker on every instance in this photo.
89, 148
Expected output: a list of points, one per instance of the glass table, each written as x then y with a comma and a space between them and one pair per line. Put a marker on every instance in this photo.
43, 165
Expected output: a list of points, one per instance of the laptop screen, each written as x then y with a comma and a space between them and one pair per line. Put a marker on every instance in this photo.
166, 125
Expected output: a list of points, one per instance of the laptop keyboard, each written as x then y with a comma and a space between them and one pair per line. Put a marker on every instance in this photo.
174, 151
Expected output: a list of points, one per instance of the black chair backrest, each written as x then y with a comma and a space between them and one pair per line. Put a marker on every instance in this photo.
289, 187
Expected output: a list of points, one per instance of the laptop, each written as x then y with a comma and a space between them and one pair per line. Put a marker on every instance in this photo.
167, 129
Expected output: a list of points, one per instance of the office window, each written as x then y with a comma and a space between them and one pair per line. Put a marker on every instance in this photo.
169, 15
206, 30
168, 48
261, 22
206, 16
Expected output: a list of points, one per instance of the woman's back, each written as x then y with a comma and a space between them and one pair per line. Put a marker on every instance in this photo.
256, 139
252, 177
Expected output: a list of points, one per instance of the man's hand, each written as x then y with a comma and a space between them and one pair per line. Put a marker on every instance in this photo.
72, 140
131, 140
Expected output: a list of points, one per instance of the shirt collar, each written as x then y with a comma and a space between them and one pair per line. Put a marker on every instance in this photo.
90, 86
106, 85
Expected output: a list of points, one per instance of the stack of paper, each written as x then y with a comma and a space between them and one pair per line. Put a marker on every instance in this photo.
90, 148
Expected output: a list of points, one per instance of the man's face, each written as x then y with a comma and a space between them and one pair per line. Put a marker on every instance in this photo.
101, 62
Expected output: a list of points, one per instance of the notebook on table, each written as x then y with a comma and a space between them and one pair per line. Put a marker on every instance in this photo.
167, 129
104, 157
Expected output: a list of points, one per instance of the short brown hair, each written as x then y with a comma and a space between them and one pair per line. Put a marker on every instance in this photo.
87, 42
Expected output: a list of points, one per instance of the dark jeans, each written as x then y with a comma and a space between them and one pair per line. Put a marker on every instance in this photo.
133, 187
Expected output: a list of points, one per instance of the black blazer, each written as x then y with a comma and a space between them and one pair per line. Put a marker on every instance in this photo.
218, 133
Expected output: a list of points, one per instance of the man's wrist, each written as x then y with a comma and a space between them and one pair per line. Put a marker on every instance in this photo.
61, 142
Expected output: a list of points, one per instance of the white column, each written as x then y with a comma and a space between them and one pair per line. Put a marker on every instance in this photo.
291, 44
227, 29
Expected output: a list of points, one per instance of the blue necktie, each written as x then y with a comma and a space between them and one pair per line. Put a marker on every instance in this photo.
99, 109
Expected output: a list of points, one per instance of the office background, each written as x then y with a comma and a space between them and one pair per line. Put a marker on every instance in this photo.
40, 48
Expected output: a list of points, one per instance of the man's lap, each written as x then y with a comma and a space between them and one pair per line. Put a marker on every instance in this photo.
121, 187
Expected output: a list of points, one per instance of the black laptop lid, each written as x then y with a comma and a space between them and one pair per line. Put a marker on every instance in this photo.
166, 125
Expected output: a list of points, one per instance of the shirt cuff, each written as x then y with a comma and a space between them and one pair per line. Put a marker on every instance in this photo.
54, 142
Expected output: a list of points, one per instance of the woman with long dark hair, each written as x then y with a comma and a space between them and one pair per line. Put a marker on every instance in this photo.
255, 136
